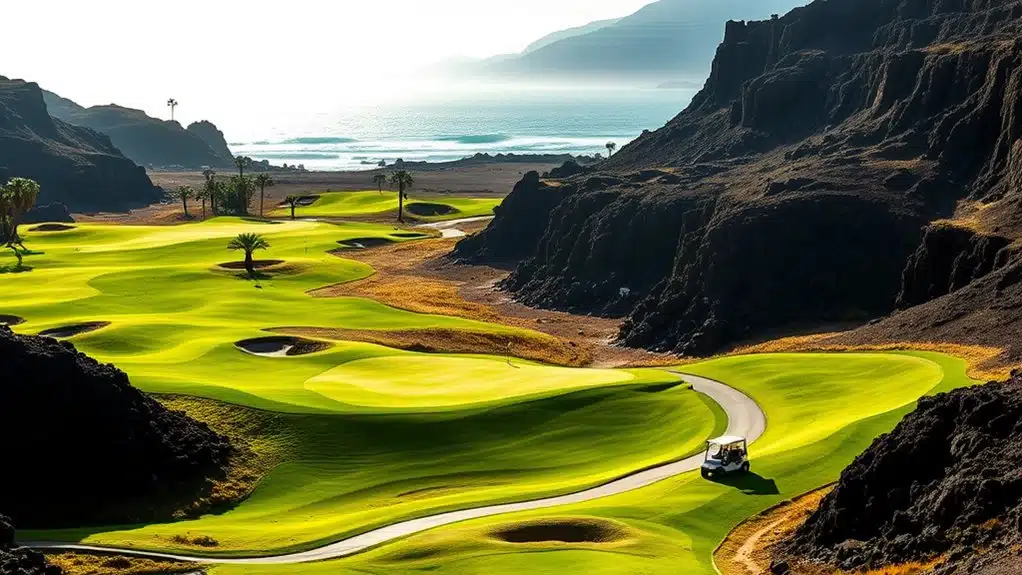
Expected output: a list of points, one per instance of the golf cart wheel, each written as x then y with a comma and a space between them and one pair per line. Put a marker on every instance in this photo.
706, 474
745, 467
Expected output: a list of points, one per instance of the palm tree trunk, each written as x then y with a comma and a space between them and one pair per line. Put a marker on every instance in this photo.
185, 202
249, 266
401, 204
262, 189
203, 208
292, 211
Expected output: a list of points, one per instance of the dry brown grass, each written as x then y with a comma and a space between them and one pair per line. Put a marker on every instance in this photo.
984, 363
533, 346
84, 564
750, 548
258, 448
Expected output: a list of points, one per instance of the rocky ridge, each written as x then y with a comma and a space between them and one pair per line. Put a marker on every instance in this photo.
793, 189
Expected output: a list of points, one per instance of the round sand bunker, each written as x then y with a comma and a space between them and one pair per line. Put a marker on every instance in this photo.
365, 243
51, 228
257, 264
281, 346
561, 530
428, 209
73, 330
10, 320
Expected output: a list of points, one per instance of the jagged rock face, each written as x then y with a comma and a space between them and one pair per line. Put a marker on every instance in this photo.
214, 138
75, 166
67, 416
821, 143
20, 561
948, 259
517, 225
948, 478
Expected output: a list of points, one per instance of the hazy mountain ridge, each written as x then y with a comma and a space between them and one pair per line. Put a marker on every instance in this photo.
662, 41
146, 140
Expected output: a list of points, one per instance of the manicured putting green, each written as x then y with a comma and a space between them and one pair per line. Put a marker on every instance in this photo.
822, 411
431, 207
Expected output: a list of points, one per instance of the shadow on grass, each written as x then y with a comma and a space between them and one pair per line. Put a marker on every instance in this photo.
749, 483
15, 269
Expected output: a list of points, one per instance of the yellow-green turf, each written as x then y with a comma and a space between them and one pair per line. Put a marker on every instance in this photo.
348, 204
822, 410
371, 434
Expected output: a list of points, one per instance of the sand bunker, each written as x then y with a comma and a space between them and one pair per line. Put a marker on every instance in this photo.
73, 330
561, 530
257, 264
279, 346
51, 228
426, 209
10, 320
365, 243
303, 201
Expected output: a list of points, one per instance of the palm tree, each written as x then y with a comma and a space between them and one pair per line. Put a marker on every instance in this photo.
401, 180
293, 202
249, 243
172, 104
210, 188
185, 193
202, 195
242, 162
263, 181
21, 195
379, 180
611, 146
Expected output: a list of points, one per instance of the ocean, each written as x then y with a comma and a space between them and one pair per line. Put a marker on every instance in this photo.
541, 122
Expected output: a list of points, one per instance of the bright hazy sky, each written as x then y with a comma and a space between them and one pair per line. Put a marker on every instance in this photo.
220, 56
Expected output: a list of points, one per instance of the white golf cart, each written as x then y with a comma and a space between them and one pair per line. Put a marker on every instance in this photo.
726, 455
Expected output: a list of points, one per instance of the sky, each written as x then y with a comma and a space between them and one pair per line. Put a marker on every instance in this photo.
265, 56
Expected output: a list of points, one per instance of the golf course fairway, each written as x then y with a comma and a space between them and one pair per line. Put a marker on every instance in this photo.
822, 410
364, 436
432, 207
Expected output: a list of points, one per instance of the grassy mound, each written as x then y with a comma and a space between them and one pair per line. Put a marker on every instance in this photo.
428, 207
822, 410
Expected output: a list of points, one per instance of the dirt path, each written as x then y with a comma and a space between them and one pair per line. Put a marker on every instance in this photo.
745, 418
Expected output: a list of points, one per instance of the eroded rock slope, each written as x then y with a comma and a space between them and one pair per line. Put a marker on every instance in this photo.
794, 187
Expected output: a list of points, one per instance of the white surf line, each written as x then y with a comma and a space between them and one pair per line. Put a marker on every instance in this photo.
745, 418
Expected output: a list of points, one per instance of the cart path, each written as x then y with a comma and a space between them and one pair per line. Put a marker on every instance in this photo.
745, 418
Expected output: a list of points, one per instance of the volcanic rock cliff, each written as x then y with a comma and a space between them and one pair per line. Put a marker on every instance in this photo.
794, 187
75, 166
84, 447
18, 560
945, 483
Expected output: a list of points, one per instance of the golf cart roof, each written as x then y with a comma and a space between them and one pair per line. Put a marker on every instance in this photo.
727, 440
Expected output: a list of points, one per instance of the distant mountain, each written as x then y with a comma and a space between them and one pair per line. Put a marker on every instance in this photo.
74, 165
569, 33
663, 41
146, 140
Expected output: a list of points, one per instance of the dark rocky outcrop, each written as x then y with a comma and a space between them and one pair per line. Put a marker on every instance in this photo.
948, 479
949, 258
55, 212
794, 185
146, 140
18, 560
74, 166
87, 448
517, 225
213, 137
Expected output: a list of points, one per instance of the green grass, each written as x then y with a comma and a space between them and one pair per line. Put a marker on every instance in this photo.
348, 204
369, 434
823, 410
